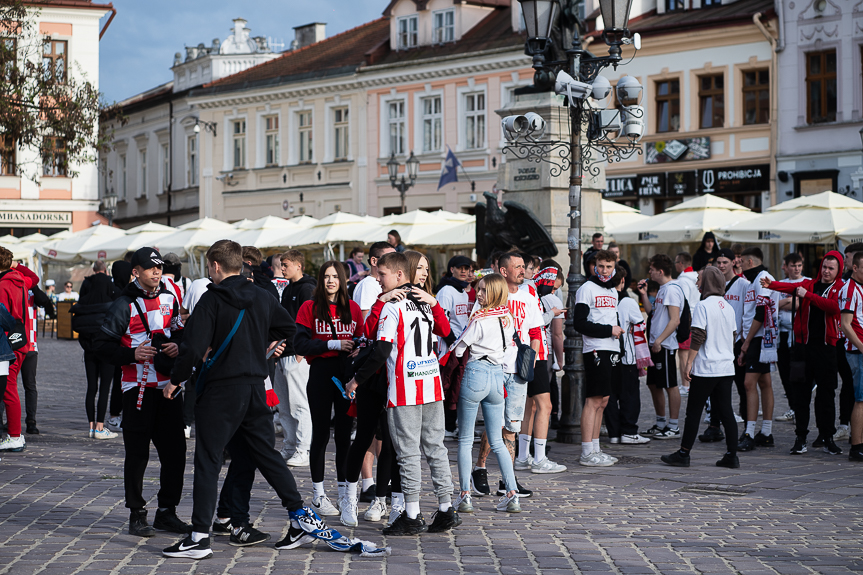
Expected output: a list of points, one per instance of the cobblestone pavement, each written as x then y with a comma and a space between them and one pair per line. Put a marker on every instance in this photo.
61, 511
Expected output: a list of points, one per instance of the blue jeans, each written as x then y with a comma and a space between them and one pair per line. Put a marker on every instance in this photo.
855, 360
482, 385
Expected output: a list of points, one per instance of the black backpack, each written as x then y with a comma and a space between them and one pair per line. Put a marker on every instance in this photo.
684, 329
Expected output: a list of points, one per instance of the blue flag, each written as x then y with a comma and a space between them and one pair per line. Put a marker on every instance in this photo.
450, 169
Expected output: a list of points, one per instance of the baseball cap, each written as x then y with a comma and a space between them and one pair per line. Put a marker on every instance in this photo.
459, 261
726, 253
49, 283
147, 258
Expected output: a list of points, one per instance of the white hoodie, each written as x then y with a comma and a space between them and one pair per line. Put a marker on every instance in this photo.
688, 281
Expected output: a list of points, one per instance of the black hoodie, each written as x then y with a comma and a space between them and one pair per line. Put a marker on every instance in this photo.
297, 293
702, 257
261, 279
244, 361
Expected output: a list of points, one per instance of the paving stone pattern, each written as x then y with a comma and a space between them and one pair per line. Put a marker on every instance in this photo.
62, 511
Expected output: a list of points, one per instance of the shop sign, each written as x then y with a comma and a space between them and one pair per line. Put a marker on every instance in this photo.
681, 183
734, 179
651, 184
679, 150
35, 219
620, 187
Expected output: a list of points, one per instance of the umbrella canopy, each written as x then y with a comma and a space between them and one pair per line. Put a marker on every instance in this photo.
7, 240
265, 232
34, 238
461, 234
416, 226
615, 215
147, 235
335, 228
816, 219
686, 222
199, 233
70, 248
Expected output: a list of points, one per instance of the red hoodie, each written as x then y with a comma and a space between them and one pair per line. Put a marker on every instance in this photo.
829, 304
14, 285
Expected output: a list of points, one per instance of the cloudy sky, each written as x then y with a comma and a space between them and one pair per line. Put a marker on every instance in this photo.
138, 49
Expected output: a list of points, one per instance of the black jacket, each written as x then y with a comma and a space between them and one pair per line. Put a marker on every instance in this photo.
244, 360
263, 280
297, 293
98, 293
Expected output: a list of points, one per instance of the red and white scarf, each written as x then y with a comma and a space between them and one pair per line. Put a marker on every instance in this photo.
642, 350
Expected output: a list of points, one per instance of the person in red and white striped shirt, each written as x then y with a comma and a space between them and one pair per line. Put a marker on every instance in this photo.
851, 307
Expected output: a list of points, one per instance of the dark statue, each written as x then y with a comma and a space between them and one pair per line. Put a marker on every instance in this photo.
514, 229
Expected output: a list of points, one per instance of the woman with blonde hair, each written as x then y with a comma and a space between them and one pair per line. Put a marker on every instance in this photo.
420, 270
488, 334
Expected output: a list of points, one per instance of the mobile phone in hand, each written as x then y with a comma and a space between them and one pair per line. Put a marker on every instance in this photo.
275, 347
176, 392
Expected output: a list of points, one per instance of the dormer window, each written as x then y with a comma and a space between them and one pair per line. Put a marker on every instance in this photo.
408, 26
672, 5
444, 26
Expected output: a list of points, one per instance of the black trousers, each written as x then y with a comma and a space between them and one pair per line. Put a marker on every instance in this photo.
784, 363
324, 397
718, 390
389, 471
189, 401
739, 383
846, 394
236, 493
159, 420
555, 393
116, 406
225, 411
821, 370
28, 379
100, 375
621, 413
370, 406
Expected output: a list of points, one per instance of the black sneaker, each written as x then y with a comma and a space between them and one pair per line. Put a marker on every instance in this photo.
479, 482
711, 434
32, 429
522, 491
819, 442
222, 528
404, 526
677, 459
294, 538
799, 446
444, 520
831, 447
729, 460
138, 524
762, 440
746, 444
855, 455
189, 549
248, 536
652, 431
168, 521
368, 495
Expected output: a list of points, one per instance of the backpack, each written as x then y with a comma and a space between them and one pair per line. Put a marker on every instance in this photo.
684, 329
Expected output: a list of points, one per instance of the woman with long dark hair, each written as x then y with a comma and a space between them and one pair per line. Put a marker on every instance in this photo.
326, 326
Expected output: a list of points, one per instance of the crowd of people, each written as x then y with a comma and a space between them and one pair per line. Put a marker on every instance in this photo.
391, 366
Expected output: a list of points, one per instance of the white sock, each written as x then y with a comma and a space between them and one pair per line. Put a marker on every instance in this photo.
767, 426
196, 537
382, 501
586, 448
523, 446
412, 508
368, 483
222, 521
444, 507
539, 449
351, 490
398, 500
660, 420
475, 467
343, 486
750, 428
596, 447
672, 423
318, 490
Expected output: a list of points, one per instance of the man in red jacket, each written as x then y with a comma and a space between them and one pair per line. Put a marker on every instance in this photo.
817, 326
15, 283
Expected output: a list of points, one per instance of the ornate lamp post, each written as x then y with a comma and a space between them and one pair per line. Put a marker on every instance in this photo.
109, 206
402, 186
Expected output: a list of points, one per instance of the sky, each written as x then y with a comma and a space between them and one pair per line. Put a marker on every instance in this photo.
137, 51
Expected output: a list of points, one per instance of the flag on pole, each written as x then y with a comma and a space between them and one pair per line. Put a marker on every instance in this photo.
449, 173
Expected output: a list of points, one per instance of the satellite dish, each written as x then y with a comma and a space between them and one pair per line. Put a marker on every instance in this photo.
636, 41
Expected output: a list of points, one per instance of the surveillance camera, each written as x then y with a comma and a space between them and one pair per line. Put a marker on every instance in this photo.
632, 120
535, 124
601, 88
513, 127
628, 88
566, 85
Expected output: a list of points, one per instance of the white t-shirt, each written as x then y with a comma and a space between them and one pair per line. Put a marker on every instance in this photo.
457, 307
525, 310
530, 290
755, 296
484, 338
194, 293
602, 303
669, 294
366, 292
71, 296
735, 296
716, 356
630, 315
785, 314
549, 302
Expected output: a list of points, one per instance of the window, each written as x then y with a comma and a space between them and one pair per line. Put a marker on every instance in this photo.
668, 106
671, 5
341, 139
143, 190
756, 97
711, 97
407, 32
166, 166
8, 165
821, 87
54, 60
239, 133
271, 127
8, 57
444, 26
192, 163
122, 176
432, 123
396, 119
54, 157
304, 120
474, 122
706, 3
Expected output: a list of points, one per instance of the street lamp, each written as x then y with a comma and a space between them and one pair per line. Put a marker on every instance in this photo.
209, 126
109, 206
412, 167
611, 135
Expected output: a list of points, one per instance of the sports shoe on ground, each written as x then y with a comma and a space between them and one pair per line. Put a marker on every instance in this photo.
222, 528
444, 520
668, 433
167, 520
614, 440
138, 523
451, 435
595, 459
684, 391
819, 442
676, 459
13, 443
189, 549
298, 459
348, 516
368, 495
323, 506
842, 432
653, 430
479, 482
294, 538
546, 466
711, 434
762, 440
463, 503
32, 429
376, 510
787, 416
395, 512
187, 431
104, 434
91, 433
831, 447
738, 419
634, 439
115, 421
405, 526
730, 461
799, 446
509, 504
611, 458
855, 455
522, 491
248, 536
746, 443
523, 464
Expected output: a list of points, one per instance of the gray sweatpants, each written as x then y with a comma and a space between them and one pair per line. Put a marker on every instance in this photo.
415, 427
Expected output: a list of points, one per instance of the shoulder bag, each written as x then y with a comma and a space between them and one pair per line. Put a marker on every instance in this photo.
202, 375
18, 335
525, 357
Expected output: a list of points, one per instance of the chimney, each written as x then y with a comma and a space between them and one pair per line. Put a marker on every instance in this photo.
310, 34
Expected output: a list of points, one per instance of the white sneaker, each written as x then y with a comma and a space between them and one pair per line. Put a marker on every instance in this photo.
395, 512
349, 512
91, 433
614, 440
787, 416
610, 458
546, 466
523, 464
463, 504
115, 422
104, 434
187, 431
510, 504
684, 391
634, 439
376, 510
451, 435
13, 443
841, 432
298, 459
738, 419
323, 506
595, 460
